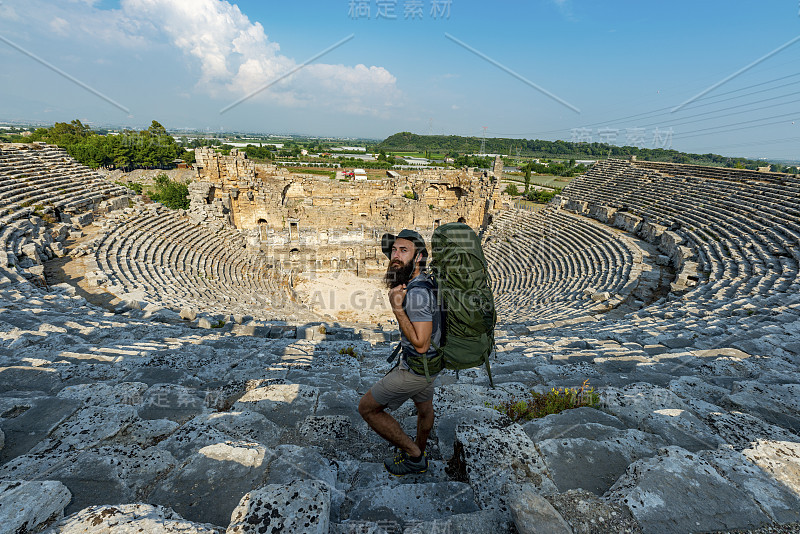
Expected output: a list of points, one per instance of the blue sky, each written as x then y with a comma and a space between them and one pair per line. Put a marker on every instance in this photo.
520, 69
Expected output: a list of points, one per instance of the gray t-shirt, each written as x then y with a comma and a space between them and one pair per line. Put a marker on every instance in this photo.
420, 305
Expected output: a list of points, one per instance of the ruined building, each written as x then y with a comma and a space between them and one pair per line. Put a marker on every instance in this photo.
307, 222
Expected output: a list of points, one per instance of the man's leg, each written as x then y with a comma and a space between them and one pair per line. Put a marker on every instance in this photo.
424, 423
386, 426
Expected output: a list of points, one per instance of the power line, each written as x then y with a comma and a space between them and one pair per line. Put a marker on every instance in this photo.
668, 123
695, 133
654, 112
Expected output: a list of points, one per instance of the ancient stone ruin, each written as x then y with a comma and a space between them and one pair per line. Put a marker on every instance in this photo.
160, 374
314, 223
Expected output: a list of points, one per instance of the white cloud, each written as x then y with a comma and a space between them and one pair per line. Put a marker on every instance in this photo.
231, 56
60, 26
236, 58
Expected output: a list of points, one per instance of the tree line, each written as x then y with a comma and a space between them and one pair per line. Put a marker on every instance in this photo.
131, 149
408, 142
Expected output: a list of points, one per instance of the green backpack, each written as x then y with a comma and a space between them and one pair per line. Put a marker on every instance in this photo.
466, 302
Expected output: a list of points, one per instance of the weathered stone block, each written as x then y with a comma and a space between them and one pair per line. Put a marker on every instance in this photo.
301, 507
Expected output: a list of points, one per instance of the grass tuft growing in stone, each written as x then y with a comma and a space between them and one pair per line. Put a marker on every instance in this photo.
556, 400
350, 351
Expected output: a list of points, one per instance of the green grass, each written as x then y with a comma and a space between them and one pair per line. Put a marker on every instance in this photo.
552, 182
537, 405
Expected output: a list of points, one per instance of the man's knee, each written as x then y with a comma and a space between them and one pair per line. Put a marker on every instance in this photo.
368, 405
425, 409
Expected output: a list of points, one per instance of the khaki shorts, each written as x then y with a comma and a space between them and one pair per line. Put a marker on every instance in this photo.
400, 385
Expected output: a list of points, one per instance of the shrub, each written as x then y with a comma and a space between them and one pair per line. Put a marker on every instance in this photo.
173, 195
409, 195
350, 351
554, 401
542, 197
512, 190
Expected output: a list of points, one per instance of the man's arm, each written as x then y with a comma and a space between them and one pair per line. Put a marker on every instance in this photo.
418, 332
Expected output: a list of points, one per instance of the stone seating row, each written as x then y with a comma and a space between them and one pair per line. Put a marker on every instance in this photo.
28, 181
179, 264
745, 234
542, 263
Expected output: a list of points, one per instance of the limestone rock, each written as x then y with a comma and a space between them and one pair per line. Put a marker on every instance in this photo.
741, 430
110, 475
282, 403
678, 491
774, 498
292, 462
533, 514
28, 506
479, 522
102, 394
490, 457
588, 514
171, 401
129, 519
412, 502
661, 412
576, 423
188, 314
89, 427
776, 403
445, 424
208, 486
209, 429
24, 431
594, 465
781, 459
601, 296
301, 507
326, 428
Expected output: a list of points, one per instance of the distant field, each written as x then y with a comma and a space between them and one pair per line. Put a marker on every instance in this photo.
312, 170
541, 180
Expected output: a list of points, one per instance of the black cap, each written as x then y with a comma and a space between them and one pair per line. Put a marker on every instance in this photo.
388, 240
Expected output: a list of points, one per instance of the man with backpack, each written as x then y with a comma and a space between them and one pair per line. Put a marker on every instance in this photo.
414, 304
446, 318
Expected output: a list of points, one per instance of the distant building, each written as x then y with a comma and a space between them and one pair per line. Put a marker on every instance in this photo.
392, 174
349, 149
360, 174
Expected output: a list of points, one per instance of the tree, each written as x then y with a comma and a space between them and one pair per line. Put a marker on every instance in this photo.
512, 190
527, 178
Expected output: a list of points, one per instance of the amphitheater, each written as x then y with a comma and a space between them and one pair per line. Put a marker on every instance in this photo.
180, 383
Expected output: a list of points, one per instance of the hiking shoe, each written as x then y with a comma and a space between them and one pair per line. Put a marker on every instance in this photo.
402, 465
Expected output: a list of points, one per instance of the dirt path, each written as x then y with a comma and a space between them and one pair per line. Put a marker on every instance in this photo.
71, 270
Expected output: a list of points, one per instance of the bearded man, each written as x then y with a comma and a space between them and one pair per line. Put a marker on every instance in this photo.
413, 303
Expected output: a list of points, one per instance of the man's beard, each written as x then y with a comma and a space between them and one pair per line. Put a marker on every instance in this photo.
398, 273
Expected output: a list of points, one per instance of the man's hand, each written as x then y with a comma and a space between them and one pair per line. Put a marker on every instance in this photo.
396, 296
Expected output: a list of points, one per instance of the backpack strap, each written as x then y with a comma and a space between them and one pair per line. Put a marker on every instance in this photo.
394, 354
